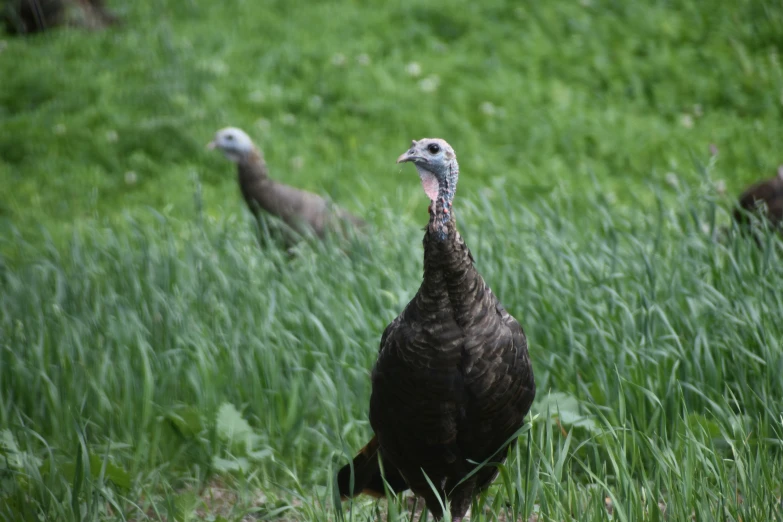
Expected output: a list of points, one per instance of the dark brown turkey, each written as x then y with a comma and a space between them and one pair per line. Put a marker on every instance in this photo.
31, 16
301, 210
763, 199
453, 380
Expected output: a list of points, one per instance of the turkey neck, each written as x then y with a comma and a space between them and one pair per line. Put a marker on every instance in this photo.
255, 182
451, 283
252, 169
448, 265
441, 219
448, 257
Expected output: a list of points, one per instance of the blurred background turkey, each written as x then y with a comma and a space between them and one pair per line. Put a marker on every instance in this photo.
300, 210
762, 202
31, 16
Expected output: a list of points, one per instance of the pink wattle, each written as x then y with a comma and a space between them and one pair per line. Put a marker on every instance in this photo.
430, 184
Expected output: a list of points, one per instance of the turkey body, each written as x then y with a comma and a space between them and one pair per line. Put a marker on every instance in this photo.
769, 193
453, 379
30, 16
301, 210
27, 16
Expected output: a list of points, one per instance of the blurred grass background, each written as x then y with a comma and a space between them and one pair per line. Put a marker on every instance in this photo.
155, 364
625, 92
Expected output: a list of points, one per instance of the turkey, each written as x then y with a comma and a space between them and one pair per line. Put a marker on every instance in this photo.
767, 193
301, 210
31, 16
453, 380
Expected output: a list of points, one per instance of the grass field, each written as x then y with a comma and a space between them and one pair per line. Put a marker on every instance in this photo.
156, 364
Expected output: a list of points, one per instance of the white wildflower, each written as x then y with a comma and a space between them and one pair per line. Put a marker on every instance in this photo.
686, 120
413, 69
257, 96
720, 187
263, 124
316, 102
218, 67
672, 179
297, 162
488, 108
131, 177
429, 84
363, 59
338, 59
59, 128
288, 119
111, 136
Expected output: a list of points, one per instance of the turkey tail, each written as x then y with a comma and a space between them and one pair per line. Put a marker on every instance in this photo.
367, 477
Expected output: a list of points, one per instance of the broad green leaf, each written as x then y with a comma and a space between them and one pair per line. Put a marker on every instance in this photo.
185, 505
231, 426
187, 421
115, 473
9, 451
226, 465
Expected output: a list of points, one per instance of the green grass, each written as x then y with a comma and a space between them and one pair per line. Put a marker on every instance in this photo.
624, 91
178, 364
156, 364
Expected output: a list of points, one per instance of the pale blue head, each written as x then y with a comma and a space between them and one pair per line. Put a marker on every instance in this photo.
234, 143
437, 166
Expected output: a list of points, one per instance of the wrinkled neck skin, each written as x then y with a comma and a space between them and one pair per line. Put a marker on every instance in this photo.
441, 192
446, 257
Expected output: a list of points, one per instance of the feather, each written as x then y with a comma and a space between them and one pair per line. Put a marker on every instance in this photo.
764, 199
367, 477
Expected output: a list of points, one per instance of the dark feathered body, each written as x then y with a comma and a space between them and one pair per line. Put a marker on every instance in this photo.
367, 474
30, 16
299, 209
768, 193
453, 381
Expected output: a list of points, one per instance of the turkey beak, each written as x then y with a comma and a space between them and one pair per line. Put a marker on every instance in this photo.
211, 145
408, 155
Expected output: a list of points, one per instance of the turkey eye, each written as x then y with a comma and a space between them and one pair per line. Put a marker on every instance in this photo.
433, 148
230, 137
